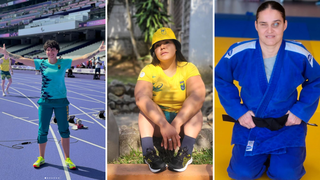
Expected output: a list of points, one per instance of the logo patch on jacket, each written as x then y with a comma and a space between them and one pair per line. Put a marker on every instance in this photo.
59, 66
182, 85
230, 52
310, 59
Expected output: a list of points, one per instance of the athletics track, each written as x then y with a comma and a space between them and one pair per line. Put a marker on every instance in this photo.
19, 124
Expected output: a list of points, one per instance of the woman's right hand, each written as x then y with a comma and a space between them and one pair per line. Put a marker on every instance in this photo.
246, 120
3, 49
171, 138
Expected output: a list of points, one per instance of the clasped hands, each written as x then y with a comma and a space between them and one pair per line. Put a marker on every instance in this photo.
247, 121
170, 135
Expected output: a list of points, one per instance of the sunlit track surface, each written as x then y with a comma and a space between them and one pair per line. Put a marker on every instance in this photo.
19, 124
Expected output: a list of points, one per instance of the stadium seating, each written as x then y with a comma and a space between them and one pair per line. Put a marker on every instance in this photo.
25, 15
84, 50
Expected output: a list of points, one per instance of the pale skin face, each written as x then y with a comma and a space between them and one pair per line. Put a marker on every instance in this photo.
165, 50
270, 27
52, 53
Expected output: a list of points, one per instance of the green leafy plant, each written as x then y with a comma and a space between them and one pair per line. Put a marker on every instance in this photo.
150, 16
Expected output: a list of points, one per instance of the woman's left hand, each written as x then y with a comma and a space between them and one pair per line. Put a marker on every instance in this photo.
292, 119
177, 128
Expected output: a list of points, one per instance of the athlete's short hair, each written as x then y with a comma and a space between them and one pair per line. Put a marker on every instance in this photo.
273, 5
51, 44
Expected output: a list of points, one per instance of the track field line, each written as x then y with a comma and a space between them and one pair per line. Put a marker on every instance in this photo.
16, 102
88, 115
16, 117
87, 142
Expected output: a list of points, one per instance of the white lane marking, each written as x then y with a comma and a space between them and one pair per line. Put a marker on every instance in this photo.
91, 109
27, 89
34, 120
87, 96
16, 102
29, 79
21, 118
82, 113
12, 93
82, 99
96, 100
96, 83
86, 88
88, 115
56, 141
87, 142
38, 88
102, 96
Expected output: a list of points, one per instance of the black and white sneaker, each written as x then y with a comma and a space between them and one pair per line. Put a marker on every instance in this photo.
180, 162
154, 162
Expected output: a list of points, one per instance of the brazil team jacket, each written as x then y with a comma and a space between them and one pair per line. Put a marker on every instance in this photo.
294, 66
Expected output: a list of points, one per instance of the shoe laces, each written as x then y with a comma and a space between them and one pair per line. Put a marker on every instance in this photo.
152, 155
68, 160
40, 159
183, 152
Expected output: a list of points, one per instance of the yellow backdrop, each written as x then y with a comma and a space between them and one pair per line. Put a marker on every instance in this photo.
223, 130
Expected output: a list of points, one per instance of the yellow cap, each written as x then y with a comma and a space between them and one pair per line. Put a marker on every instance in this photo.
164, 34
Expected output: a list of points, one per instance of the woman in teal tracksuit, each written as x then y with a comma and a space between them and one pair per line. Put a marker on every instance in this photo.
53, 94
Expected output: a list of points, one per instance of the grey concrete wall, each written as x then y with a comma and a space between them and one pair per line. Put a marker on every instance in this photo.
90, 34
24, 41
201, 35
35, 40
118, 34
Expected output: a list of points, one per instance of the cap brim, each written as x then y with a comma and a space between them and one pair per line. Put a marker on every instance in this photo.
176, 42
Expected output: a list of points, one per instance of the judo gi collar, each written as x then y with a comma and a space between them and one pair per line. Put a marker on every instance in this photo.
164, 34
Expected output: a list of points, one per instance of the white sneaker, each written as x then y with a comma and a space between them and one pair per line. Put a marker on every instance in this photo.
3, 94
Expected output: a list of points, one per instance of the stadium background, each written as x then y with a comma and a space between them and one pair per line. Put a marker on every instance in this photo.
78, 26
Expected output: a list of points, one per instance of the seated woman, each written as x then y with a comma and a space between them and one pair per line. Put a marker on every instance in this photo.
169, 93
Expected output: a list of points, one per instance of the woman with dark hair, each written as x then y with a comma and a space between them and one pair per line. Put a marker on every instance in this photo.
271, 122
169, 94
53, 94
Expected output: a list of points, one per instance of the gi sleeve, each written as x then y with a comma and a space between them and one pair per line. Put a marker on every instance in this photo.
228, 93
307, 104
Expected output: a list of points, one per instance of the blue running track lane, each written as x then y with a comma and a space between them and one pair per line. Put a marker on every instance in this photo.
19, 124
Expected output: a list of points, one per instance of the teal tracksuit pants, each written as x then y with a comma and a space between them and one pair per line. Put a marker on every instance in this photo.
61, 110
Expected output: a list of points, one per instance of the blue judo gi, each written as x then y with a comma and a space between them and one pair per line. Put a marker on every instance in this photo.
294, 66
